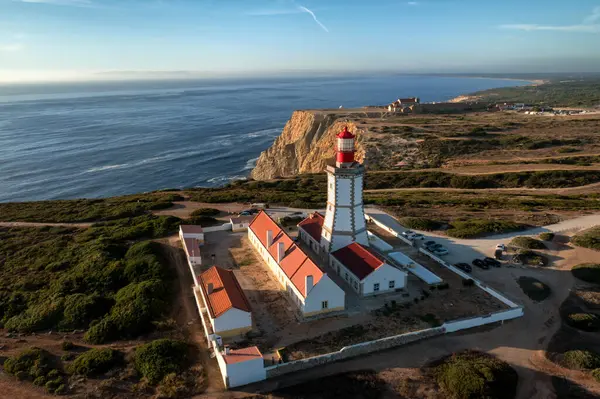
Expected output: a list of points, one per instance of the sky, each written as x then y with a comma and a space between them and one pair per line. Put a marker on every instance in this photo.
104, 39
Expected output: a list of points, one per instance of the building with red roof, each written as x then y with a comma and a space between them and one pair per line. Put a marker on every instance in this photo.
308, 286
227, 307
241, 366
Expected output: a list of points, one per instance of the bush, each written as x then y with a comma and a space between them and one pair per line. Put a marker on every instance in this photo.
480, 227
589, 272
527, 257
581, 360
533, 288
161, 357
31, 363
596, 374
527, 242
67, 345
547, 236
205, 212
588, 239
95, 362
476, 375
584, 321
420, 223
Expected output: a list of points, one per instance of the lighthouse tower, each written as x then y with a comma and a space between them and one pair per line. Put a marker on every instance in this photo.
345, 218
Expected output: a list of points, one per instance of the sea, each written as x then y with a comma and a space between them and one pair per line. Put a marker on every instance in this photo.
99, 139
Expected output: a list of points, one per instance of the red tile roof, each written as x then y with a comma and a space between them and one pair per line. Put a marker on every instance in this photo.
313, 225
191, 229
295, 263
226, 293
242, 355
358, 259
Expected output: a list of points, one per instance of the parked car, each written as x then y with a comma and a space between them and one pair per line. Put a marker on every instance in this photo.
491, 262
245, 213
501, 247
407, 233
480, 264
498, 254
435, 246
428, 243
417, 236
440, 251
465, 267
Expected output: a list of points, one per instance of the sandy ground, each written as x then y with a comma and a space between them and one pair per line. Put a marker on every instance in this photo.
32, 224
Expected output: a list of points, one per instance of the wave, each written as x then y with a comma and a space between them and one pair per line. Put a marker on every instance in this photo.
107, 167
250, 164
219, 180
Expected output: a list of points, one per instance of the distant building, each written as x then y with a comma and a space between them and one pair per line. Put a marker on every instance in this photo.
306, 284
227, 306
240, 223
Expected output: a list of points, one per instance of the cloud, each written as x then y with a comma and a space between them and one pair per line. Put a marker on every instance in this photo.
11, 47
72, 3
304, 9
589, 25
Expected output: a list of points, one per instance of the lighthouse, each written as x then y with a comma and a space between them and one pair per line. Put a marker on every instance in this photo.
345, 217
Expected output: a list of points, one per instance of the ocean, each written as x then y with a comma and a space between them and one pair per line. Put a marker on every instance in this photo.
90, 140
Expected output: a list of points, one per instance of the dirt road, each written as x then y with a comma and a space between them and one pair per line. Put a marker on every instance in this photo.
35, 224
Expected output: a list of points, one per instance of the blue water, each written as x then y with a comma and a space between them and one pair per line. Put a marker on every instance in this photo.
89, 140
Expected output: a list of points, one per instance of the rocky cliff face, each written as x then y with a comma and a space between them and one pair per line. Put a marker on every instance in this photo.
306, 145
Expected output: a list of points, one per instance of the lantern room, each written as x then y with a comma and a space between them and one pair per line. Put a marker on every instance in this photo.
345, 148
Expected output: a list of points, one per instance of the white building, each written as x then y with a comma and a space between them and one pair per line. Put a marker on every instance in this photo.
306, 284
240, 223
242, 366
365, 271
190, 231
227, 307
345, 217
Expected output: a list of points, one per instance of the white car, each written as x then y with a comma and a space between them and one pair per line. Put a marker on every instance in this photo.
441, 251
408, 233
501, 247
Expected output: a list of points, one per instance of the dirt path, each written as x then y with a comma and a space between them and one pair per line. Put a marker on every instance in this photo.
36, 224
186, 314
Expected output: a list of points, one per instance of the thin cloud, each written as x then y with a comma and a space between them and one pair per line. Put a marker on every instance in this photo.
71, 3
304, 9
11, 47
589, 25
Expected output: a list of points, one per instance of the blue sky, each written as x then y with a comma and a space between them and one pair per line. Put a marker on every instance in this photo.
59, 39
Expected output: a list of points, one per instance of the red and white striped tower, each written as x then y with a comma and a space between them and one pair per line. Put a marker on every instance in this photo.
345, 218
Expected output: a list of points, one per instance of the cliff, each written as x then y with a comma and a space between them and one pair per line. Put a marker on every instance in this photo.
306, 145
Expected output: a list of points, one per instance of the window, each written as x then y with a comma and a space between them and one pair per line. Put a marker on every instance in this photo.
376, 287
324, 305
392, 284
346, 276
330, 185
355, 285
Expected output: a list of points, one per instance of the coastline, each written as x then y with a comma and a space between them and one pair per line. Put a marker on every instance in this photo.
471, 97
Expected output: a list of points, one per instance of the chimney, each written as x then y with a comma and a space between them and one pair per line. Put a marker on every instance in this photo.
280, 251
211, 288
269, 238
308, 281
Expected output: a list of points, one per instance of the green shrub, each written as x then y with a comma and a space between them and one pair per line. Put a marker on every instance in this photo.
476, 375
480, 227
31, 363
67, 345
527, 242
528, 257
547, 236
161, 357
596, 374
589, 272
39, 381
588, 239
81, 309
584, 321
95, 362
205, 212
581, 359
61, 389
420, 223
533, 288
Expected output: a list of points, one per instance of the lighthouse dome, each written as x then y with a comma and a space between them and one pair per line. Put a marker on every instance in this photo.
345, 134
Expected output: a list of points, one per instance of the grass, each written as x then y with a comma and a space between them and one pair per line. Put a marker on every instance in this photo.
547, 236
528, 243
420, 223
533, 288
474, 228
581, 360
588, 239
476, 375
583, 321
161, 357
589, 272
96, 362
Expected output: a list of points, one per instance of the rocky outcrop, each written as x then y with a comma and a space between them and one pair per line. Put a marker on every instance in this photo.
306, 145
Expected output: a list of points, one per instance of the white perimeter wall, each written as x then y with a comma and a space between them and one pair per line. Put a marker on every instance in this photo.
383, 275
223, 227
232, 320
324, 290
379, 243
247, 372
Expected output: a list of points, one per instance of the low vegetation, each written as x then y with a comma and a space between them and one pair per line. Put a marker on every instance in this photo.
589, 272
474, 228
363, 384
159, 358
39, 366
547, 236
533, 288
205, 212
528, 243
584, 321
581, 360
588, 239
86, 210
476, 375
531, 258
420, 223
96, 362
